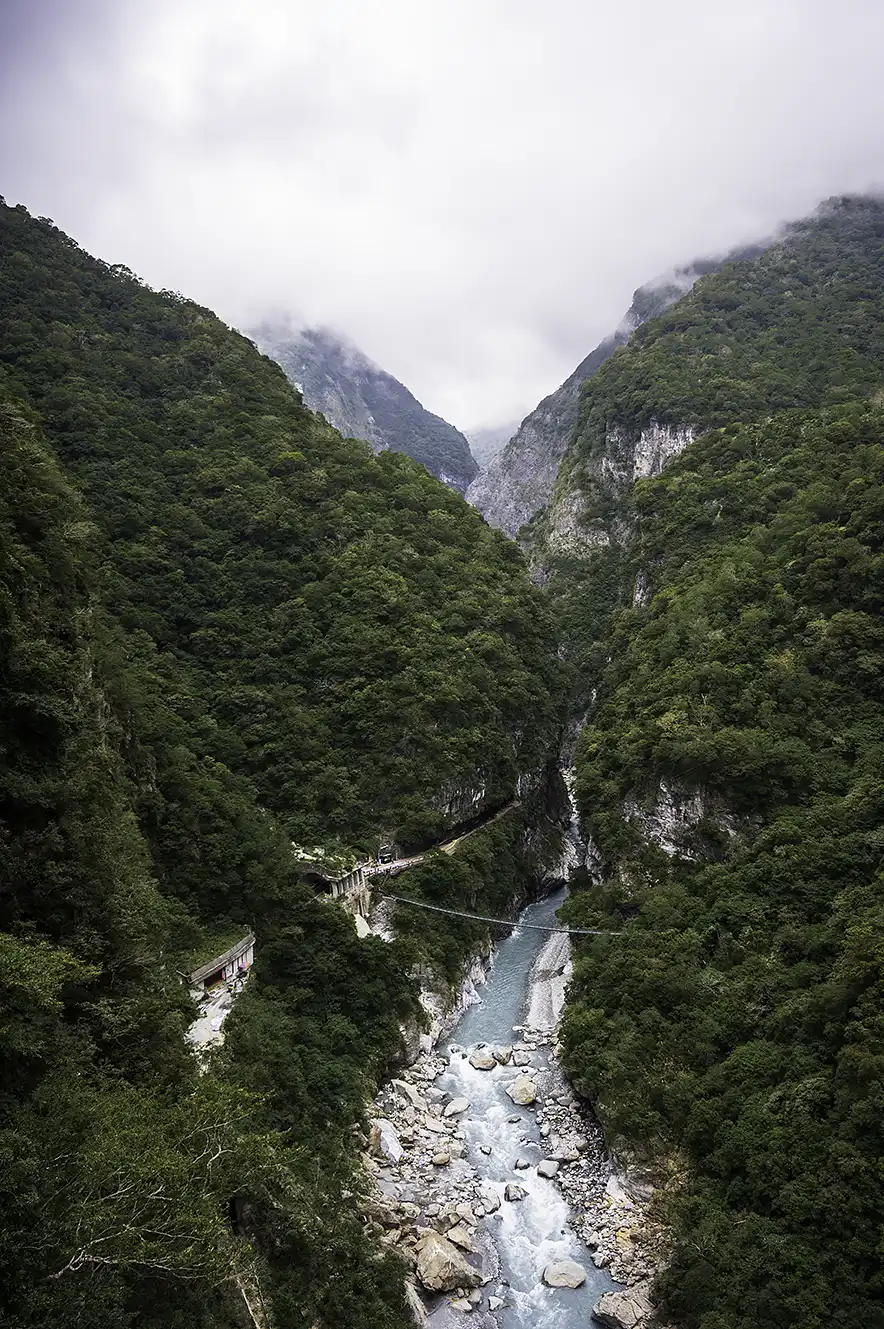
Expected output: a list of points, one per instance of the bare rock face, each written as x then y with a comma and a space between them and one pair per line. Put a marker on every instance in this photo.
564, 1273
518, 481
441, 1267
522, 1091
630, 1309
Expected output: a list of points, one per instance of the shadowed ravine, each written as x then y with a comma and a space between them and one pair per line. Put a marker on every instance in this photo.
532, 1232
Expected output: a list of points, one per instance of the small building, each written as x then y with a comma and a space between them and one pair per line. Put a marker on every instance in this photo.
232, 964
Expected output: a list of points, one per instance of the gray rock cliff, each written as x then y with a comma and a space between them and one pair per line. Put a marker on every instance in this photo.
519, 481
361, 400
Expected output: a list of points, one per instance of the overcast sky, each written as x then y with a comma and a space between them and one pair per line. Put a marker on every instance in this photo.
470, 189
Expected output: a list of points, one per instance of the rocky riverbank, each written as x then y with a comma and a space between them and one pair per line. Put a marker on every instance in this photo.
436, 1208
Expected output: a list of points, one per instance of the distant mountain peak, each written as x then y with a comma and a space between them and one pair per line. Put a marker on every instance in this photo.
362, 400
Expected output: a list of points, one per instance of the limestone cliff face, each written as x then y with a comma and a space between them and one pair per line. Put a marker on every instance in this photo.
585, 512
519, 481
361, 400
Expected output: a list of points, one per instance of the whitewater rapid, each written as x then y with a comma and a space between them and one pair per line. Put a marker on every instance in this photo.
532, 1232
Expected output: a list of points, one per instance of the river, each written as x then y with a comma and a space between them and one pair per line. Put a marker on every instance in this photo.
531, 1233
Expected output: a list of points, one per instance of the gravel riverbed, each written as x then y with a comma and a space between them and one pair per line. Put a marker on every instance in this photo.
491, 1177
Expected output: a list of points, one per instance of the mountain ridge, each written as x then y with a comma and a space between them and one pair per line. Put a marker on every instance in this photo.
362, 400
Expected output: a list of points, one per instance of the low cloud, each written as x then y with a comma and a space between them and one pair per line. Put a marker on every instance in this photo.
469, 190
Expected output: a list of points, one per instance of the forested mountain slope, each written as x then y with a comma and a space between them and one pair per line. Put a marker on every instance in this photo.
361, 400
730, 772
224, 627
517, 482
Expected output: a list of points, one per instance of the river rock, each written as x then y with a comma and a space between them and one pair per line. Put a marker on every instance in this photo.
483, 1059
456, 1107
564, 1273
461, 1237
465, 1212
521, 1058
513, 1191
489, 1197
441, 1160
383, 1140
495, 1303
548, 1168
434, 1124
440, 1265
564, 1149
502, 1054
461, 1304
522, 1164
408, 1093
522, 1091
629, 1309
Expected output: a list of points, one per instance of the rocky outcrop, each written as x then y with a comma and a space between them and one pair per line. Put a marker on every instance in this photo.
362, 401
440, 1265
630, 1309
519, 481
670, 818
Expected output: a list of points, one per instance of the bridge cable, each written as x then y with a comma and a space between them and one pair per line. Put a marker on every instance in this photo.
506, 922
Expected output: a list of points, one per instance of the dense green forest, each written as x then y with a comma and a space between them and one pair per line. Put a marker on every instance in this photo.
797, 326
731, 777
224, 628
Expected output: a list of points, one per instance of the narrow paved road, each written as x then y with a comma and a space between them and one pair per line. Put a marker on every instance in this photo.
447, 846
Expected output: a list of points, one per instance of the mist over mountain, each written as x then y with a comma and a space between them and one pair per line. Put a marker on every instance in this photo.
486, 443
361, 400
518, 480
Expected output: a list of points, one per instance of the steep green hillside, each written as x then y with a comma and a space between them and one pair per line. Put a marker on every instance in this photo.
799, 325
730, 776
225, 627
353, 636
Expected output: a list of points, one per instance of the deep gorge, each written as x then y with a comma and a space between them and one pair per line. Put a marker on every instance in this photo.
226, 631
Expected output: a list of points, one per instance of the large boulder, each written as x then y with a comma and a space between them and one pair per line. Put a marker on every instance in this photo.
522, 1091
489, 1196
441, 1267
383, 1141
631, 1308
459, 1236
483, 1059
564, 1273
407, 1093
456, 1107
